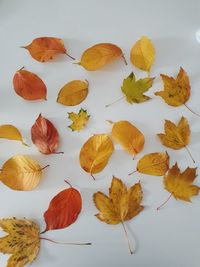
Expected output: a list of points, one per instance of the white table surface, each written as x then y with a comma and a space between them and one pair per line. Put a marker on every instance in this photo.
168, 238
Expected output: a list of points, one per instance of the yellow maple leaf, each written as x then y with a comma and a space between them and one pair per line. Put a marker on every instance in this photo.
121, 205
79, 120
22, 241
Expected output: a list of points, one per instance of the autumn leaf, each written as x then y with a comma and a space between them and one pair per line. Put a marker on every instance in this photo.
121, 205
143, 54
8, 131
21, 173
128, 136
100, 55
180, 185
45, 136
95, 153
176, 137
134, 89
43, 49
73, 93
79, 120
153, 164
63, 209
29, 86
22, 241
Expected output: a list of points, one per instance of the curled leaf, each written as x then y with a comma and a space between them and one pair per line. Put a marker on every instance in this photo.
134, 89
8, 131
99, 55
128, 136
95, 153
143, 54
176, 91
79, 120
21, 173
43, 49
22, 241
154, 164
73, 93
45, 136
63, 209
29, 86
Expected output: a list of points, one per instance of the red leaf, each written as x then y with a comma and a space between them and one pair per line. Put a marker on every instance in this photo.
29, 86
63, 209
45, 136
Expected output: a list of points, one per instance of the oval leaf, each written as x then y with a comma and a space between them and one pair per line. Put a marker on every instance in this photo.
45, 136
128, 136
99, 55
73, 93
21, 173
143, 54
8, 131
29, 86
43, 49
154, 164
95, 153
63, 209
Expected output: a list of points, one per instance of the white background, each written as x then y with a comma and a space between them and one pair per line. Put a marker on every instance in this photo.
168, 238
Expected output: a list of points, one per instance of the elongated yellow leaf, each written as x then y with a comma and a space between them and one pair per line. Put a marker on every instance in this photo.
95, 153
143, 54
21, 173
8, 131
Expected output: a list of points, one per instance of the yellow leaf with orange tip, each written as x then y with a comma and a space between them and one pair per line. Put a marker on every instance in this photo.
154, 164
95, 153
143, 54
100, 55
176, 91
22, 241
8, 131
21, 173
180, 185
73, 93
128, 136
79, 120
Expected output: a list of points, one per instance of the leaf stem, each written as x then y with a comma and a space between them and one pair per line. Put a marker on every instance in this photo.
187, 149
124, 59
158, 208
192, 110
121, 98
133, 172
65, 243
92, 176
44, 167
126, 235
70, 56
68, 183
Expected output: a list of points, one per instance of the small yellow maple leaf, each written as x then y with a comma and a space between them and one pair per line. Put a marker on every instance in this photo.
22, 241
79, 120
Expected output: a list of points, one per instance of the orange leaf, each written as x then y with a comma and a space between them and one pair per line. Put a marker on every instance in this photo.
29, 86
45, 136
63, 209
43, 49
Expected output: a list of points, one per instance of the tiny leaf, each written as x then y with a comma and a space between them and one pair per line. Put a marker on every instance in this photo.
79, 120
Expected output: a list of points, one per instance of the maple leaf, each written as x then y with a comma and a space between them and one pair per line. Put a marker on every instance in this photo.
79, 120
22, 241
134, 90
121, 205
176, 137
95, 153
99, 55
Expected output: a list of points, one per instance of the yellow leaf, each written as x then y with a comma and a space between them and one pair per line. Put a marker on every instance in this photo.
99, 55
10, 132
79, 120
22, 241
176, 91
128, 136
154, 164
95, 153
21, 173
180, 185
143, 54
73, 93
